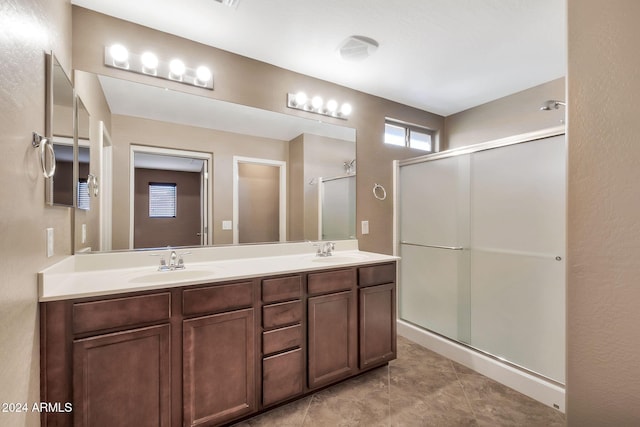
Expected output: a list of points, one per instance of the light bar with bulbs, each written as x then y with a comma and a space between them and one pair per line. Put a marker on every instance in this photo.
300, 101
147, 63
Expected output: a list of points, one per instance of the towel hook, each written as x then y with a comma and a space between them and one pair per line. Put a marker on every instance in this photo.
43, 143
379, 192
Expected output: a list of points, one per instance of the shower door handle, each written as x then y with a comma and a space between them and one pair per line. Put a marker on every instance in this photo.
450, 248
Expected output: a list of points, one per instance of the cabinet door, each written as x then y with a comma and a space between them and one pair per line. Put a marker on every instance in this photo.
377, 325
333, 338
123, 379
219, 367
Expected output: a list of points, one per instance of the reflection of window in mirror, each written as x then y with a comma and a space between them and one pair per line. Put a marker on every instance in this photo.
83, 175
162, 200
83, 194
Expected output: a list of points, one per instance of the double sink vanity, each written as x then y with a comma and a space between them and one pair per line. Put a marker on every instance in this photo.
236, 332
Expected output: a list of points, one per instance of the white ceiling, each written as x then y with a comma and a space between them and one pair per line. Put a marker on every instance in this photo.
442, 56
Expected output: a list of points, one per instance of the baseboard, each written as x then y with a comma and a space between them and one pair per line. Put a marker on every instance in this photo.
537, 388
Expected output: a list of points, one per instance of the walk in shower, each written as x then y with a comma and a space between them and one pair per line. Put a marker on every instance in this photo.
481, 233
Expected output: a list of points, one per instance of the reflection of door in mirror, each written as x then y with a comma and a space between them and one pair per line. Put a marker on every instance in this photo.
62, 181
170, 199
259, 200
105, 150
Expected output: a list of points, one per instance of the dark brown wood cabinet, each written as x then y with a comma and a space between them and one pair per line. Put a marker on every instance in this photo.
332, 327
377, 321
214, 353
283, 364
218, 367
377, 314
123, 379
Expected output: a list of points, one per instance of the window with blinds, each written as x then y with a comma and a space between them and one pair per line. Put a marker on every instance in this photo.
162, 200
83, 194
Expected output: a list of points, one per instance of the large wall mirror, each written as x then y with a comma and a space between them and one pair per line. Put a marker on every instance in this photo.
60, 127
188, 170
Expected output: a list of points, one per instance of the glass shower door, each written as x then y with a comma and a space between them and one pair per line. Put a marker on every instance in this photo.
517, 254
434, 236
482, 241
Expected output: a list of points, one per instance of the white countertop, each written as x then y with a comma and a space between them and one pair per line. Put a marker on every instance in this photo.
80, 276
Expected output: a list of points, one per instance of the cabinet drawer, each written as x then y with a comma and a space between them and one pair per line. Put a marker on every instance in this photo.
281, 289
281, 339
377, 274
217, 298
284, 313
332, 281
282, 376
120, 312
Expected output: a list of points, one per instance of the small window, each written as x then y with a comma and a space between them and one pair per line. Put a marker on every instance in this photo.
162, 200
406, 135
83, 194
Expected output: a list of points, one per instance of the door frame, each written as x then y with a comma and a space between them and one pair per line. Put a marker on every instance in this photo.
206, 200
282, 165
105, 151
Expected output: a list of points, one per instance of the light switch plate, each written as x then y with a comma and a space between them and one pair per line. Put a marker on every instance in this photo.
84, 233
365, 227
227, 225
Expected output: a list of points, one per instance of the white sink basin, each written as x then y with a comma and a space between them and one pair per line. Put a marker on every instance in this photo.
171, 276
339, 258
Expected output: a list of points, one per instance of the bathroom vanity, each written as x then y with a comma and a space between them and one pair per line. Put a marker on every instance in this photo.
189, 348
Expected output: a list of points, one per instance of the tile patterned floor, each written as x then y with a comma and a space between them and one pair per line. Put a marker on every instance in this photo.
420, 388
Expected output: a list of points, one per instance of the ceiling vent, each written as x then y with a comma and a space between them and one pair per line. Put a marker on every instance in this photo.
357, 48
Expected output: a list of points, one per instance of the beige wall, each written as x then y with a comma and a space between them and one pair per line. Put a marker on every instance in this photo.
603, 295
246, 81
512, 115
322, 157
28, 28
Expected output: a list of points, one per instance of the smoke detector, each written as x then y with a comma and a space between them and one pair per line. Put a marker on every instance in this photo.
357, 48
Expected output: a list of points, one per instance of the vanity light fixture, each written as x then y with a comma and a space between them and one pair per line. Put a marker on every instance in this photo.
147, 63
300, 101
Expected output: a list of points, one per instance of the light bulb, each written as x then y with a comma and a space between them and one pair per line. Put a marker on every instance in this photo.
203, 74
332, 106
120, 54
300, 99
316, 102
346, 109
149, 61
177, 67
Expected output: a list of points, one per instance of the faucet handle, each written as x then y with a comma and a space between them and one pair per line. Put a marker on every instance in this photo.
163, 263
181, 260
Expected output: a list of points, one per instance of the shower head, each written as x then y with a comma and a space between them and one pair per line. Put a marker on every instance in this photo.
552, 104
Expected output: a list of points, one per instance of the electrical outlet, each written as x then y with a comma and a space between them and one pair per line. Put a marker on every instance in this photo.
227, 225
84, 233
365, 227
49, 242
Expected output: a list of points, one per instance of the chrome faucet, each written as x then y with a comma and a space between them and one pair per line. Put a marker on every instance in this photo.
324, 248
176, 262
